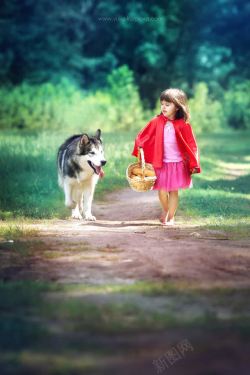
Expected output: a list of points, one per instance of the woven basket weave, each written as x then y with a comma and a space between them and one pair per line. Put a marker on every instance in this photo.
141, 183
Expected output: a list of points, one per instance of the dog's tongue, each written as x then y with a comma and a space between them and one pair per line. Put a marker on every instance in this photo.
101, 173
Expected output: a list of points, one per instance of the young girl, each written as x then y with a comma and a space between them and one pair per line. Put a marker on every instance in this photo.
169, 145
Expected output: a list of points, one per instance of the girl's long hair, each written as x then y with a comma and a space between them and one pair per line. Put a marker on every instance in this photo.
179, 98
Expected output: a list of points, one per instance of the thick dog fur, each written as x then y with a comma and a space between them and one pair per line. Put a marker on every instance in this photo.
80, 159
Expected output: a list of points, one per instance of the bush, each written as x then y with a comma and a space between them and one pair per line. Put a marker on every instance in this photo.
206, 114
37, 107
237, 105
65, 105
125, 99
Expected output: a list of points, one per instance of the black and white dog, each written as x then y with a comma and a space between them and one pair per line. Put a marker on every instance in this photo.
80, 159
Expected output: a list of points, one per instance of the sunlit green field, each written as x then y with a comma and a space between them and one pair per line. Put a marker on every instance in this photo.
29, 189
28, 173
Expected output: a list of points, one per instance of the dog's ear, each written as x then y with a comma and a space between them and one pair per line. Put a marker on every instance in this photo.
98, 134
84, 139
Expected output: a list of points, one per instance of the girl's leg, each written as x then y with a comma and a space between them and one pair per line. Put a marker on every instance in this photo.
173, 204
163, 197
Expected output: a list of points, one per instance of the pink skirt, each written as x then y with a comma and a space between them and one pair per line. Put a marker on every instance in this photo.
173, 176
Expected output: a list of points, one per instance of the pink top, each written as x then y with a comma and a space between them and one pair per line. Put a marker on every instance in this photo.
171, 149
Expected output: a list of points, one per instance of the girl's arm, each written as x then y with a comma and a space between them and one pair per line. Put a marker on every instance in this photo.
144, 135
189, 136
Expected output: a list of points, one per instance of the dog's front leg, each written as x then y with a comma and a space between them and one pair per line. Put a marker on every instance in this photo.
77, 197
88, 194
69, 202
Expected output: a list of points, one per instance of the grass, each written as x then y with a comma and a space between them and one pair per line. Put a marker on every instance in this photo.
12, 231
42, 317
220, 198
29, 178
52, 328
30, 190
35, 301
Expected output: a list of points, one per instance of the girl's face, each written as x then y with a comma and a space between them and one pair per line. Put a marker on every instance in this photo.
169, 109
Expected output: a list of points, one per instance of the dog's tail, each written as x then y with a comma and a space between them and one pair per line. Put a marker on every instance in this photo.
60, 173
60, 179
60, 167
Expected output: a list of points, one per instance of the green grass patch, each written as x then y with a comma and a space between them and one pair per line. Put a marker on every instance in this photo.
220, 196
13, 231
20, 319
44, 326
29, 186
34, 301
30, 191
151, 288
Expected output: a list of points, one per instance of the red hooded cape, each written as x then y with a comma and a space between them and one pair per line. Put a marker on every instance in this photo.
150, 138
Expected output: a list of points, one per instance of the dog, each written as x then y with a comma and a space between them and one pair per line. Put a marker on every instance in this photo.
80, 160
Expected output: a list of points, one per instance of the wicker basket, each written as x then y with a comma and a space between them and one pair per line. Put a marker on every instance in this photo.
142, 183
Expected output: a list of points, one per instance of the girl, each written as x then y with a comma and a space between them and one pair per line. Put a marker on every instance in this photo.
169, 145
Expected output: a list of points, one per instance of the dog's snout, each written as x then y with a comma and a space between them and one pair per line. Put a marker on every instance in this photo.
103, 162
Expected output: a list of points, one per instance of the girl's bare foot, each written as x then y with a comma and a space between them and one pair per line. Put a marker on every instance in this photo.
163, 217
169, 222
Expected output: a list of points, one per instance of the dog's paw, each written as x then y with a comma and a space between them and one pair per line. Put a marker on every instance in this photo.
76, 215
70, 204
90, 217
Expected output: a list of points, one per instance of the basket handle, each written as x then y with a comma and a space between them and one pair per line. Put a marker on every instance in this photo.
141, 160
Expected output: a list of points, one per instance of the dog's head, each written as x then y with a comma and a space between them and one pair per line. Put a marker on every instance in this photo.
91, 148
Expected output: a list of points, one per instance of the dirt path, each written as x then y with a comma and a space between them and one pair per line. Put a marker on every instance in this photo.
127, 243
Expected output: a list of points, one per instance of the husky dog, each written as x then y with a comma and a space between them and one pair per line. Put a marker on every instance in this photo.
80, 159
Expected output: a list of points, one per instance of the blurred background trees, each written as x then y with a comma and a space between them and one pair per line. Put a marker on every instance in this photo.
104, 63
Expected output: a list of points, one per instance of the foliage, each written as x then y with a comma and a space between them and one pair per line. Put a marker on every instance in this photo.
42, 41
237, 105
65, 65
65, 106
117, 106
213, 109
125, 99
36, 107
206, 114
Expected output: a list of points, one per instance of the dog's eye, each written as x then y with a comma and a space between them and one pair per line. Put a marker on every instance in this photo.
92, 153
